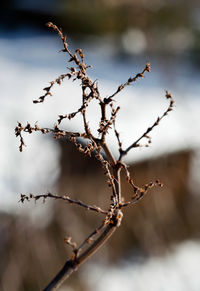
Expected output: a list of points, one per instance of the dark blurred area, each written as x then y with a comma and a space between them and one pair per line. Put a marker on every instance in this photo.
150, 27
32, 253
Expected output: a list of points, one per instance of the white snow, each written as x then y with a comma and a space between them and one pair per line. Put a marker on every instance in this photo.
22, 78
178, 270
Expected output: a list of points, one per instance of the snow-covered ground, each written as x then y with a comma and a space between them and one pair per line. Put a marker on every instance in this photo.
29, 63
176, 271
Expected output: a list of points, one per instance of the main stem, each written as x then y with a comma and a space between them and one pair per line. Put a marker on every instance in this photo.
72, 265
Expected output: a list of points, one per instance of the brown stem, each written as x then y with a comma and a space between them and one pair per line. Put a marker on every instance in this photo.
117, 182
108, 153
73, 264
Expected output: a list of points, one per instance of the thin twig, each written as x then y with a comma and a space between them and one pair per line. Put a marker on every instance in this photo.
73, 264
149, 129
64, 198
128, 82
90, 237
94, 145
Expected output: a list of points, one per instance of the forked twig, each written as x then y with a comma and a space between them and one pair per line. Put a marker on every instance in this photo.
96, 145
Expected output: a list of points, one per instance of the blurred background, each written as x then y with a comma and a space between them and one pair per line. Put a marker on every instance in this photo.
158, 244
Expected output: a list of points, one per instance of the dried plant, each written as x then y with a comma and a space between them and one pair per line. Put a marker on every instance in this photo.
96, 145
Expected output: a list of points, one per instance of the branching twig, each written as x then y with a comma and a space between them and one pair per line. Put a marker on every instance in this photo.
48, 89
64, 198
127, 83
102, 152
71, 265
149, 129
141, 192
90, 238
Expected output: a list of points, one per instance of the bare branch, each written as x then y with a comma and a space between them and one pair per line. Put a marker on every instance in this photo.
117, 134
64, 198
127, 83
149, 129
96, 145
90, 238
72, 264
48, 89
141, 192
